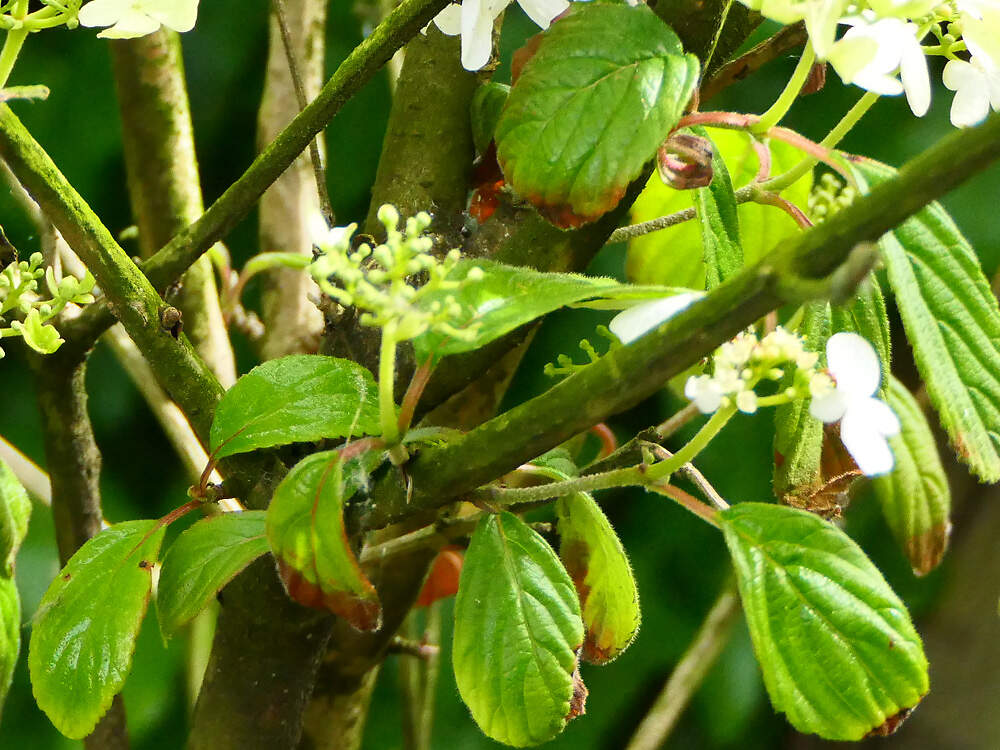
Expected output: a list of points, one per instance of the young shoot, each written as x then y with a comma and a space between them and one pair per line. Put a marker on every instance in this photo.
397, 285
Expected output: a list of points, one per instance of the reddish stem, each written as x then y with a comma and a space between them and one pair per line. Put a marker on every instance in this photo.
773, 199
609, 443
413, 393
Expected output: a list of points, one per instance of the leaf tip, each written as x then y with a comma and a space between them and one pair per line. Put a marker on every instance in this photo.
925, 551
890, 725
362, 613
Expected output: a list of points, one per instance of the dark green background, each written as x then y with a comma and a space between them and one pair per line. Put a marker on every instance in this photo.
679, 561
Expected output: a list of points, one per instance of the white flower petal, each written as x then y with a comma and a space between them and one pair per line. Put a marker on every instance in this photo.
543, 11
630, 324
829, 407
131, 25
854, 364
179, 15
880, 415
916, 80
449, 20
477, 32
103, 12
867, 446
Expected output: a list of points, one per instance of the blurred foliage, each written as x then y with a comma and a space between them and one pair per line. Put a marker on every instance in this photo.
679, 562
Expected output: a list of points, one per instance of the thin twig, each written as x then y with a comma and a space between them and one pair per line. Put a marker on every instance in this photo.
319, 169
34, 480
787, 39
678, 420
690, 672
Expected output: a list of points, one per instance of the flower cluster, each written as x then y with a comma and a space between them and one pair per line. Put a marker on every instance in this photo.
474, 20
131, 18
19, 295
739, 365
883, 49
383, 280
829, 196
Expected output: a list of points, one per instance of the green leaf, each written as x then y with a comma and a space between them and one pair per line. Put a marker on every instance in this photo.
798, 436
305, 527
596, 561
85, 629
299, 398
719, 221
675, 256
517, 630
203, 560
485, 111
41, 337
10, 634
838, 651
953, 324
915, 496
505, 298
866, 316
15, 510
590, 108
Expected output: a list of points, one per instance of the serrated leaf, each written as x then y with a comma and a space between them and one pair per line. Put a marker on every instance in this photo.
798, 436
505, 298
865, 314
485, 112
299, 398
605, 87
10, 634
952, 321
557, 464
87, 622
915, 496
305, 528
15, 510
596, 561
720, 223
838, 651
675, 256
202, 560
517, 630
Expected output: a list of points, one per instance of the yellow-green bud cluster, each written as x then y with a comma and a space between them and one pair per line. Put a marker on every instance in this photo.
828, 197
398, 282
20, 297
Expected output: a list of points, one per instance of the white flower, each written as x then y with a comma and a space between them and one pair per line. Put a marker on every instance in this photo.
865, 422
705, 392
873, 67
630, 324
474, 21
132, 18
976, 84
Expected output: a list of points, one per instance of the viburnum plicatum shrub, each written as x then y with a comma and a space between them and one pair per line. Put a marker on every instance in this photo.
331, 469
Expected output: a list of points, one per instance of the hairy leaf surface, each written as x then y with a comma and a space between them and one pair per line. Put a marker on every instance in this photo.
838, 651
953, 324
720, 223
84, 633
915, 496
15, 510
517, 629
202, 560
299, 398
604, 88
597, 563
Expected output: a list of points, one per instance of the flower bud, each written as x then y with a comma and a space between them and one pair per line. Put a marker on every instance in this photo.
684, 161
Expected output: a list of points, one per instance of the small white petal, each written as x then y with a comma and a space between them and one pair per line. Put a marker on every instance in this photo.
854, 364
477, 32
704, 392
880, 415
179, 15
103, 12
869, 448
630, 324
543, 11
131, 25
746, 402
829, 407
916, 80
449, 20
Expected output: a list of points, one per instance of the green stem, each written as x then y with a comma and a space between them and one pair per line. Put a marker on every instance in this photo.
617, 478
842, 128
386, 380
13, 42
784, 102
662, 470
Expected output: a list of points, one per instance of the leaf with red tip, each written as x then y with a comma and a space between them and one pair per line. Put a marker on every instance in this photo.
305, 527
596, 561
590, 107
914, 496
442, 581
